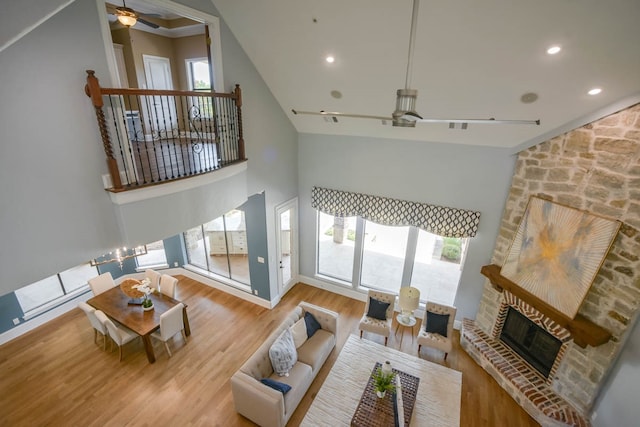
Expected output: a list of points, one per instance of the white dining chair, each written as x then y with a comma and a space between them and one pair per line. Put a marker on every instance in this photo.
154, 277
101, 283
171, 322
98, 327
119, 334
168, 285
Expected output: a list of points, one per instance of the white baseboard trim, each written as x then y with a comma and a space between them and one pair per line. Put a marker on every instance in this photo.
224, 288
336, 289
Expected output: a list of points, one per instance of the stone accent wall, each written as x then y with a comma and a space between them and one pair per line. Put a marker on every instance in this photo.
594, 168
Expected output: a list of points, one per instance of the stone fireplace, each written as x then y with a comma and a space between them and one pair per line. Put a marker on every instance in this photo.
595, 168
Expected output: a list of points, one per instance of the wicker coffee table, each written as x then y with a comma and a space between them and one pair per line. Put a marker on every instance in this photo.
437, 400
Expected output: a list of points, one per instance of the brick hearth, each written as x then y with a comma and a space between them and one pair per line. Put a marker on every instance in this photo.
524, 384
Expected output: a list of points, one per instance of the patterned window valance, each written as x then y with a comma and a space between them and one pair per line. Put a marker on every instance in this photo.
447, 222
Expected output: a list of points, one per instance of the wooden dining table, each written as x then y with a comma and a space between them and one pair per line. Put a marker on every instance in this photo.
115, 304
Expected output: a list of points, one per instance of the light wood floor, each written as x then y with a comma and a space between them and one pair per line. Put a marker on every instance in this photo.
56, 376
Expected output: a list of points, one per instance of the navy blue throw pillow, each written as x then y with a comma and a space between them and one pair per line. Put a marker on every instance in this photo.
437, 323
311, 323
276, 385
377, 309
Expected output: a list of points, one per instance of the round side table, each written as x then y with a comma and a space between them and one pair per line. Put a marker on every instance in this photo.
405, 322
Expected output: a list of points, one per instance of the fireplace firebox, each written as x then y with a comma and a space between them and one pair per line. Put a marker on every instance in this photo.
535, 345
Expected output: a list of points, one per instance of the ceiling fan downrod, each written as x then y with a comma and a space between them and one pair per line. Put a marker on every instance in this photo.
405, 114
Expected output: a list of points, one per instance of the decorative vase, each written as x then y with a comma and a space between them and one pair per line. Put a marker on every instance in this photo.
386, 367
381, 394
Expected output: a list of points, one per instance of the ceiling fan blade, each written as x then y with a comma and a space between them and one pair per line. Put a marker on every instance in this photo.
338, 114
481, 121
147, 23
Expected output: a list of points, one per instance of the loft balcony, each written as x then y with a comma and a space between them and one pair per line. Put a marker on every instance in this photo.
175, 158
154, 137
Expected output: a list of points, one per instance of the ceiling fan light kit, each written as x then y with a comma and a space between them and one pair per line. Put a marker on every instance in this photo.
127, 16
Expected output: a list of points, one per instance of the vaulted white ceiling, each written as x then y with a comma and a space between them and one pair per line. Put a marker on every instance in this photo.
472, 60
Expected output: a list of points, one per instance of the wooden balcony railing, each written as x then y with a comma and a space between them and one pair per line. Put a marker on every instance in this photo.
157, 136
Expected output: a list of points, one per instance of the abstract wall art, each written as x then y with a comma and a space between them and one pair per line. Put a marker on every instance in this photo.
557, 252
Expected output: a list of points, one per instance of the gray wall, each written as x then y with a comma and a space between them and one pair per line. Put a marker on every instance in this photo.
466, 177
618, 402
256, 220
54, 208
270, 139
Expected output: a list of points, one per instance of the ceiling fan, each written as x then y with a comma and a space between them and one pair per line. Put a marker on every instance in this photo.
405, 114
129, 17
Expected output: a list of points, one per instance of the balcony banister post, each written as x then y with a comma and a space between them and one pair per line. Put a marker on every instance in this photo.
92, 89
238, 100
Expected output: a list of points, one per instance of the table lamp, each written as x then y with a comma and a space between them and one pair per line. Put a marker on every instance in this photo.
409, 301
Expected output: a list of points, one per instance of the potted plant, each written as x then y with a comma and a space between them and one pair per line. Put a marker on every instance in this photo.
383, 382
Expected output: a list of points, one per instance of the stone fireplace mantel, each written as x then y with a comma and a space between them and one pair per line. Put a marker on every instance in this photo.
583, 331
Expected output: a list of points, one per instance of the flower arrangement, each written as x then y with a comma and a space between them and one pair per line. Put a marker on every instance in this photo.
146, 289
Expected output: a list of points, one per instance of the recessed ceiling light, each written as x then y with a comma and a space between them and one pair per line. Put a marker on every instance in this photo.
595, 91
330, 59
553, 50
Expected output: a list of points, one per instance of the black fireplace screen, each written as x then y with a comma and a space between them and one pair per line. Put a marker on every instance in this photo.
535, 345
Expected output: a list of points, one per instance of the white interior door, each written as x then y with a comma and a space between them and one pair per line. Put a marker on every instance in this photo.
287, 244
161, 109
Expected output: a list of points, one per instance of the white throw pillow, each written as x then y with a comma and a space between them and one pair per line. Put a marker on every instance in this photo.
283, 354
299, 332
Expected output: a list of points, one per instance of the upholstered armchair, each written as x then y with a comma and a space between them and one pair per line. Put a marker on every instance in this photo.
378, 314
437, 329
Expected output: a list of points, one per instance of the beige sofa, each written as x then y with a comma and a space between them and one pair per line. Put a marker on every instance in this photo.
266, 406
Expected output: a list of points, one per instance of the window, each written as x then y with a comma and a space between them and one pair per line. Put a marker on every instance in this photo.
155, 256
198, 74
437, 267
39, 293
53, 288
198, 79
336, 241
220, 247
384, 250
388, 257
194, 242
77, 277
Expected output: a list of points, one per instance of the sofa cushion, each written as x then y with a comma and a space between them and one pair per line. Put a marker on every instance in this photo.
283, 353
300, 378
377, 309
299, 332
312, 324
276, 385
315, 351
